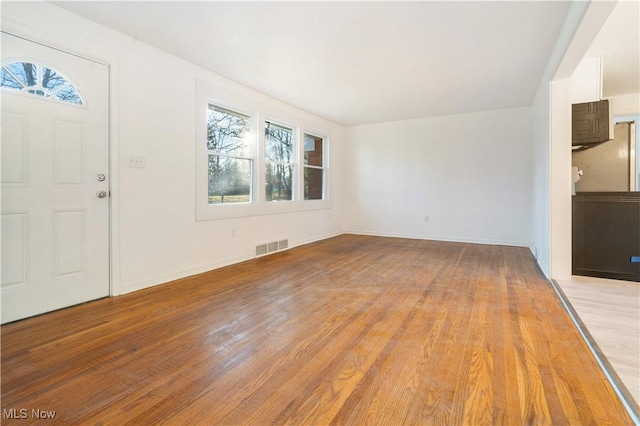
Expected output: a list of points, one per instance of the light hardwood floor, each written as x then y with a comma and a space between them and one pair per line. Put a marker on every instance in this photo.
350, 330
610, 310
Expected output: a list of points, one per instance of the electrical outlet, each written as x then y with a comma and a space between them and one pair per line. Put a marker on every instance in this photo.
137, 161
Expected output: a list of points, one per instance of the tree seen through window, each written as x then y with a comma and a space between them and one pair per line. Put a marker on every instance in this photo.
230, 163
279, 162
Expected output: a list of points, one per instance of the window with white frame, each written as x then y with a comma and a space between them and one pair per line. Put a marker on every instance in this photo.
314, 167
40, 80
253, 158
279, 162
230, 160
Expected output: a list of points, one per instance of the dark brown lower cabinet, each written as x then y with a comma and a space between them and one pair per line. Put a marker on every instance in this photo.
606, 235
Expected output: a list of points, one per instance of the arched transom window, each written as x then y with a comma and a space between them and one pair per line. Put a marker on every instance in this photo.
39, 80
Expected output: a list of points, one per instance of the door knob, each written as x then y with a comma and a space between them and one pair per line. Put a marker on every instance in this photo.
101, 177
101, 194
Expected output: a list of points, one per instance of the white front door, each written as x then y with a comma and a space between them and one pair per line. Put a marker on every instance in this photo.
55, 182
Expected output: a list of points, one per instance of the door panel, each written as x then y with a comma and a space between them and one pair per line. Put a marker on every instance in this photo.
14, 149
55, 230
15, 249
69, 145
70, 242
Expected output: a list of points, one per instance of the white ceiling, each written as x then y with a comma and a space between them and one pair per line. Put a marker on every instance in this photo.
618, 43
356, 62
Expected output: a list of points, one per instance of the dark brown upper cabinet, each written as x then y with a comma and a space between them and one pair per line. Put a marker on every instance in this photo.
590, 122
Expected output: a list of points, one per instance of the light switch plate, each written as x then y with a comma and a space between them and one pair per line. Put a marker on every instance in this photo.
137, 161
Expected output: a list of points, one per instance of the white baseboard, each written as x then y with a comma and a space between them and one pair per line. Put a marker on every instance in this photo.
184, 273
442, 238
544, 267
315, 239
162, 279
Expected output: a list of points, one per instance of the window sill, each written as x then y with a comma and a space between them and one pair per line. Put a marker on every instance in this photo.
229, 211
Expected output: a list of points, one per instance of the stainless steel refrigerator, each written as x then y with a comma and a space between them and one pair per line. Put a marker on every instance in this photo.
611, 165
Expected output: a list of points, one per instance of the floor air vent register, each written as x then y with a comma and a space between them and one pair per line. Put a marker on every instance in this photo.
268, 248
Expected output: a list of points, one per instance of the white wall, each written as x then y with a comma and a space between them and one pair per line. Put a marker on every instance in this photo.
470, 173
551, 195
625, 104
541, 207
561, 182
156, 237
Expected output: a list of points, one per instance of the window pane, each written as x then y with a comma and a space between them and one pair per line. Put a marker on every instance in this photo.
313, 183
25, 71
278, 143
51, 79
229, 180
313, 150
39, 93
228, 132
6, 80
279, 182
69, 94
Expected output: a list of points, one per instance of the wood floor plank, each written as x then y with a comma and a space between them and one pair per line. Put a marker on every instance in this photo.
349, 330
